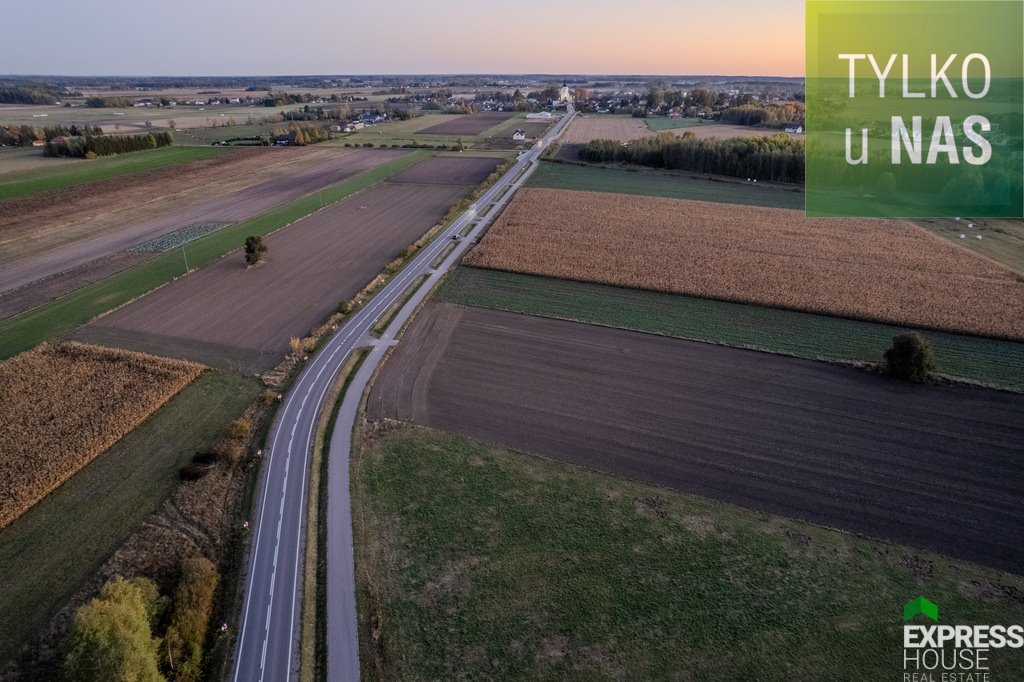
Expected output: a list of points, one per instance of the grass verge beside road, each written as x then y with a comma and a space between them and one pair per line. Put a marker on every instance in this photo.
663, 184
987, 361
65, 314
479, 562
62, 176
48, 553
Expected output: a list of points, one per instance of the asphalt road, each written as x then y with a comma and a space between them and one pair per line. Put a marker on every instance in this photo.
268, 641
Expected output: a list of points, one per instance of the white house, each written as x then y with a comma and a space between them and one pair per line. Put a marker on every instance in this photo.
518, 135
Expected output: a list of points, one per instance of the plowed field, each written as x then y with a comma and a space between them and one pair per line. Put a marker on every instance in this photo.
935, 467
241, 319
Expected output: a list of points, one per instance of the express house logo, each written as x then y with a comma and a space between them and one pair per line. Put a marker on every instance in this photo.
934, 652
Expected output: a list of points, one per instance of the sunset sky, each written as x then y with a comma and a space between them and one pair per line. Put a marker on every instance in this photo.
260, 37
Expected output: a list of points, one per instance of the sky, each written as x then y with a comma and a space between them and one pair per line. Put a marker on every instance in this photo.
270, 37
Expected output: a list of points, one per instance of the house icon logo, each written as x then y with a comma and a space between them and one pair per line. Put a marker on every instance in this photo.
921, 606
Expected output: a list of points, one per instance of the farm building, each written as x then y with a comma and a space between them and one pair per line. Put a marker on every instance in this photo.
539, 115
518, 135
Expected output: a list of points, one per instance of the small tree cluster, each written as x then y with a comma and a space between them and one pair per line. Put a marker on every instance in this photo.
105, 145
911, 357
112, 638
254, 249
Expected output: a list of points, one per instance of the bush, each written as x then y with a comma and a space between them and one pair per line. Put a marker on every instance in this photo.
239, 429
194, 471
193, 604
230, 453
254, 249
911, 357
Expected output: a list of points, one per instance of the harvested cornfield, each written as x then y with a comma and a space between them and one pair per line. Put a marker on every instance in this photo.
883, 270
63, 405
586, 128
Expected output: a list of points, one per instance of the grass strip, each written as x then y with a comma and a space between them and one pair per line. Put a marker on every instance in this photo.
478, 562
50, 551
393, 309
65, 314
66, 174
655, 183
313, 653
988, 361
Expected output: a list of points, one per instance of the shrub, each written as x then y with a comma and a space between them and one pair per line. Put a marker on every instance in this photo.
239, 429
193, 604
194, 471
230, 453
911, 357
254, 249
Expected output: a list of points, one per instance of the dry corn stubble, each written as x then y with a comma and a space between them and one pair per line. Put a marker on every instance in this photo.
63, 405
884, 270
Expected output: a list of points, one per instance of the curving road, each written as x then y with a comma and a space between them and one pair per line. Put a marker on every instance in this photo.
267, 646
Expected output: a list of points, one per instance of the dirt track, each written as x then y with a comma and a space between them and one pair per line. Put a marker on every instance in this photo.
227, 208
935, 467
469, 124
241, 319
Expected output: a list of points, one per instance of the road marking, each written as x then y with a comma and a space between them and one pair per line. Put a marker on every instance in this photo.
309, 382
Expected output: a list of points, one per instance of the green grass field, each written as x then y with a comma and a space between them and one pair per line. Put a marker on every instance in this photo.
988, 361
54, 548
27, 183
490, 564
663, 184
65, 314
659, 124
1002, 239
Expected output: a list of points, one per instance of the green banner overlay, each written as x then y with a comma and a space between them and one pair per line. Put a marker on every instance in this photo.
921, 606
915, 108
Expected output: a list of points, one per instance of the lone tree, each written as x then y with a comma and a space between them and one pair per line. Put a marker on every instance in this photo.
911, 357
254, 249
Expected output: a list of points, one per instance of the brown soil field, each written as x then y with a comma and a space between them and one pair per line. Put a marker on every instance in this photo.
469, 124
586, 128
55, 241
62, 406
242, 319
935, 467
41, 291
450, 170
882, 270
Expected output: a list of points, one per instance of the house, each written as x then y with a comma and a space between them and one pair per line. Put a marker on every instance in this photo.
518, 135
793, 129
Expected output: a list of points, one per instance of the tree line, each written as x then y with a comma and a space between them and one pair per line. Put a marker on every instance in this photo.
90, 146
777, 158
776, 115
25, 135
29, 94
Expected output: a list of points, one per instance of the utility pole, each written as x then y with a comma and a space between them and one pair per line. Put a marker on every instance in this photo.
186, 258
